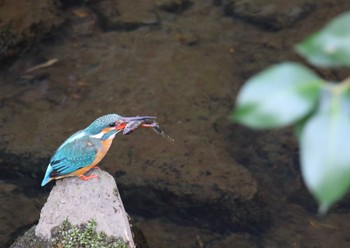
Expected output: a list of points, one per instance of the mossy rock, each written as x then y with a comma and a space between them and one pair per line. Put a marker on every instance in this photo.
69, 236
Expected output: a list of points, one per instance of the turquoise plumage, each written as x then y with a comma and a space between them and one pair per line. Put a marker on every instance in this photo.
72, 155
86, 148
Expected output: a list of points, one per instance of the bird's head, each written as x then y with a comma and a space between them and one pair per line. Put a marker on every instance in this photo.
107, 126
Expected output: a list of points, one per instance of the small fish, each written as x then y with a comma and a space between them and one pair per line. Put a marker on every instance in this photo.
160, 131
131, 127
145, 121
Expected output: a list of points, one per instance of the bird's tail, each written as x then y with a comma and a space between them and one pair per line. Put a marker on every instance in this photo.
47, 176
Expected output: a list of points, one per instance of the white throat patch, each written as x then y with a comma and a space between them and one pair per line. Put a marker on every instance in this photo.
97, 136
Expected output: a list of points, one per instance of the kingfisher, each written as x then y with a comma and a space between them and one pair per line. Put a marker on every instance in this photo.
86, 148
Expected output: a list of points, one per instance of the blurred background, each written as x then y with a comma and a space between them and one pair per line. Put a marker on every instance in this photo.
63, 63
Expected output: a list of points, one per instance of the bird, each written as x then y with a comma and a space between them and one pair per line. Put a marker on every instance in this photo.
86, 148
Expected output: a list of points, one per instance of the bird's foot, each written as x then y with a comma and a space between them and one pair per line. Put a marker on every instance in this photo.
95, 167
85, 178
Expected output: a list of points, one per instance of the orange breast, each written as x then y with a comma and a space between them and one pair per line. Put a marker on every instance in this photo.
105, 145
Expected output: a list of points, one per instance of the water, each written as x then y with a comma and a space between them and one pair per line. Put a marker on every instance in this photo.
219, 184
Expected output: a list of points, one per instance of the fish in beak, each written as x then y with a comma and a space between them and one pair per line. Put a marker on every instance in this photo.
130, 124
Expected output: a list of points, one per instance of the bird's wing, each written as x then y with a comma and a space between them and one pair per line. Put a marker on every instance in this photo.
73, 155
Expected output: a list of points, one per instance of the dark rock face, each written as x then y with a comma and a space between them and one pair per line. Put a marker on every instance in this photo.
80, 201
20, 28
209, 206
29, 240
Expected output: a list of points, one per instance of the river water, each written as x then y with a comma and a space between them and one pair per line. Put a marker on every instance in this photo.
219, 184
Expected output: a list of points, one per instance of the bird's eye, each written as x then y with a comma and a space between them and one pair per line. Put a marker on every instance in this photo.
112, 124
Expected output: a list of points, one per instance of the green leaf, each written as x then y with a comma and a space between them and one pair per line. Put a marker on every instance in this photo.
277, 97
325, 150
329, 47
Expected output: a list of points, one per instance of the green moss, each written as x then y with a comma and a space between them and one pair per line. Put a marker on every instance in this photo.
70, 236
85, 236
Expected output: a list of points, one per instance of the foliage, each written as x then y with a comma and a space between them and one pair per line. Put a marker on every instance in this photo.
70, 236
290, 93
330, 46
265, 100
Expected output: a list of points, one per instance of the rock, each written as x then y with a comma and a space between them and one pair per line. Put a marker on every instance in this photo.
81, 201
268, 14
28, 240
19, 27
68, 235
187, 37
174, 6
223, 199
124, 15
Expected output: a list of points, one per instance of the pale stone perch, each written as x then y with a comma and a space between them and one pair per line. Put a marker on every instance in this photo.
80, 201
